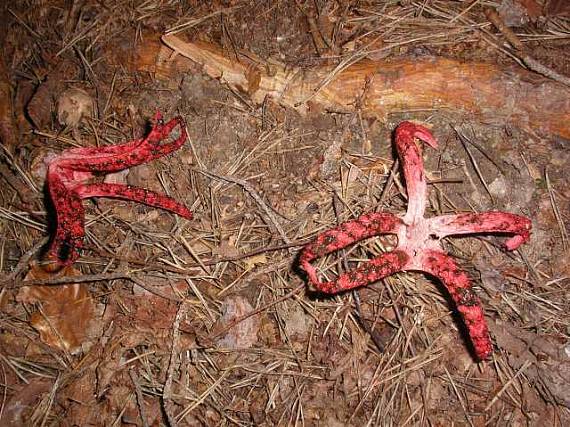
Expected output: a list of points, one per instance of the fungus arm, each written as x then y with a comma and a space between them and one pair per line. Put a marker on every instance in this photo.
458, 284
135, 194
350, 232
486, 222
413, 166
117, 157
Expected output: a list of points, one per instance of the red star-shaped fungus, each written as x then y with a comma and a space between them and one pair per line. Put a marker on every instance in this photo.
419, 241
67, 185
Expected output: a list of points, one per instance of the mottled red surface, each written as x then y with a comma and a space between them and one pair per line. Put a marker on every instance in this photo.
69, 172
419, 247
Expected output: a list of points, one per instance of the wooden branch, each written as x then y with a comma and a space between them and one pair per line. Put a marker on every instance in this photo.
476, 90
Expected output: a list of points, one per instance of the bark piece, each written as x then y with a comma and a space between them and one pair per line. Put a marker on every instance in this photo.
477, 90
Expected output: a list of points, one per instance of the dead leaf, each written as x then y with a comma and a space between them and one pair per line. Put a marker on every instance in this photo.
549, 362
513, 13
41, 106
73, 105
252, 261
18, 407
65, 312
244, 333
533, 9
227, 248
558, 8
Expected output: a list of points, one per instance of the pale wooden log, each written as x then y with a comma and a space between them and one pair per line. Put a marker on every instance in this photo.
474, 90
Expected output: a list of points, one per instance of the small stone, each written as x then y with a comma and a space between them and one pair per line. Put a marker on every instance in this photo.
244, 333
498, 187
73, 105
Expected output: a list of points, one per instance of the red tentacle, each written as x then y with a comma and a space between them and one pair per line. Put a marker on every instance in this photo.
486, 222
413, 167
122, 156
468, 304
70, 230
347, 233
369, 272
135, 194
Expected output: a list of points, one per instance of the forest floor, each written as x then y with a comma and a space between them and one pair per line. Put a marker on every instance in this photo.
168, 321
